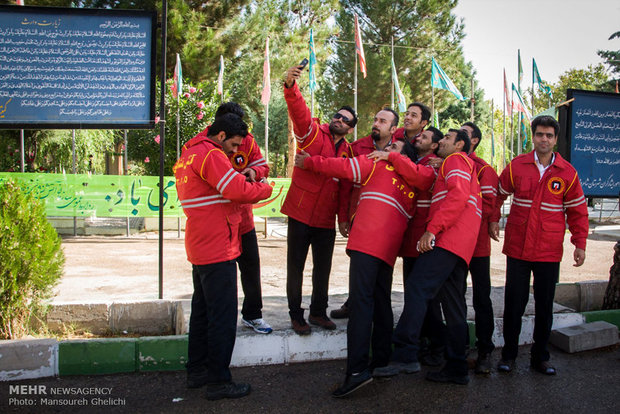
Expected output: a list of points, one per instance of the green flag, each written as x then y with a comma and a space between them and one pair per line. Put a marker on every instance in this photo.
537, 79
400, 98
312, 64
520, 71
440, 80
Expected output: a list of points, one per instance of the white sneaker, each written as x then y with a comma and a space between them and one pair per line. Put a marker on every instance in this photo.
259, 325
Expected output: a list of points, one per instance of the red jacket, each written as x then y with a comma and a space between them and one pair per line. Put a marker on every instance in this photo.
312, 198
487, 177
541, 208
455, 212
399, 134
386, 203
210, 191
247, 156
417, 225
362, 146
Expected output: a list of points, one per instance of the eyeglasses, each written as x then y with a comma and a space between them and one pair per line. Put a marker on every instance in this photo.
344, 118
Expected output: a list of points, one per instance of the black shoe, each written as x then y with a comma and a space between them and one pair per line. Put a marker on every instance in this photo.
544, 367
395, 368
322, 321
506, 365
483, 364
228, 390
353, 382
300, 326
342, 313
196, 380
443, 376
432, 359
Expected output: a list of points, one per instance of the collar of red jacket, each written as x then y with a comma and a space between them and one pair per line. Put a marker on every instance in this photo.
558, 161
202, 137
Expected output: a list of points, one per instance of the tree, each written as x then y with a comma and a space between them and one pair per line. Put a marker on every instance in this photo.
612, 59
421, 30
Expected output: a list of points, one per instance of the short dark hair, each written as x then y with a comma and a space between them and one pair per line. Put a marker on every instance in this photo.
348, 108
409, 151
545, 120
462, 136
476, 133
230, 108
437, 134
426, 112
231, 124
396, 117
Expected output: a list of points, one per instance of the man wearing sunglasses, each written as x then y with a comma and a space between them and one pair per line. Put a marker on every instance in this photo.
311, 205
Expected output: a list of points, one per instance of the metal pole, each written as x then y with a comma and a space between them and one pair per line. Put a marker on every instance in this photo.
73, 153
355, 95
492, 133
504, 132
433, 106
512, 131
21, 150
471, 114
267, 133
162, 134
392, 88
125, 171
179, 148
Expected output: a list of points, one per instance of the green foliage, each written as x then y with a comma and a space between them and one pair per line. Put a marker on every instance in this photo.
421, 30
31, 259
196, 108
612, 58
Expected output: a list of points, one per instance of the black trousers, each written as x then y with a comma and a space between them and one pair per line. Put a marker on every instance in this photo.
546, 275
213, 320
249, 268
371, 320
433, 327
437, 273
480, 270
299, 238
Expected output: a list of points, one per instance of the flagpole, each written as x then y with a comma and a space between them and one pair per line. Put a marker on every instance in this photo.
178, 151
392, 89
471, 115
512, 117
504, 131
533, 110
267, 133
433, 105
22, 159
492, 133
355, 95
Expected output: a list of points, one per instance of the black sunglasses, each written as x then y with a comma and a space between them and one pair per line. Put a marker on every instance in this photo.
344, 118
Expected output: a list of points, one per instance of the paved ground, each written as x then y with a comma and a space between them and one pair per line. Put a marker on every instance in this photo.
106, 269
587, 382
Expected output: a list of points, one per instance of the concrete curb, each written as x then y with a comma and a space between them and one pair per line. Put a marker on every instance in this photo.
24, 359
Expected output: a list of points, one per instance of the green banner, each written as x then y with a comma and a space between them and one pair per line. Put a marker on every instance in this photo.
85, 195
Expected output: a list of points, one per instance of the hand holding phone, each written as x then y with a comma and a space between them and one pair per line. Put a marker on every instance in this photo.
303, 64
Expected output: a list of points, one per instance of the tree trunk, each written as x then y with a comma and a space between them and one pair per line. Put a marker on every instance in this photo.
291, 149
612, 294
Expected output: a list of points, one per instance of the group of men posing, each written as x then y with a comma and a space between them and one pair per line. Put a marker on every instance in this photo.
411, 192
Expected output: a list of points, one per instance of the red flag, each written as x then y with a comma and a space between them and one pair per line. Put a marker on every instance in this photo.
617, 87
266, 95
20, 2
359, 47
508, 104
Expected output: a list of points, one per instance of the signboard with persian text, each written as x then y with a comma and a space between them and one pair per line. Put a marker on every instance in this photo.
594, 141
77, 68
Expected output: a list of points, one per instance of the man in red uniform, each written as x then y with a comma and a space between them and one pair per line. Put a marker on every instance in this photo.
416, 119
480, 265
380, 139
210, 192
547, 195
248, 160
446, 247
386, 203
311, 204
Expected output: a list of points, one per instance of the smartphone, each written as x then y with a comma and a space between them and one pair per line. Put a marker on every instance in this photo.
303, 64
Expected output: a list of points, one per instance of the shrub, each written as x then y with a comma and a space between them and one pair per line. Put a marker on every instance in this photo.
31, 259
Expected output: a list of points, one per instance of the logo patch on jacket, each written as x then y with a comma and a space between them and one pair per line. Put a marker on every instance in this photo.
556, 185
239, 160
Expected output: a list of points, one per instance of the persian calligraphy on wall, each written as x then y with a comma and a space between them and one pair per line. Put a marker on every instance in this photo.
76, 68
85, 195
594, 129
